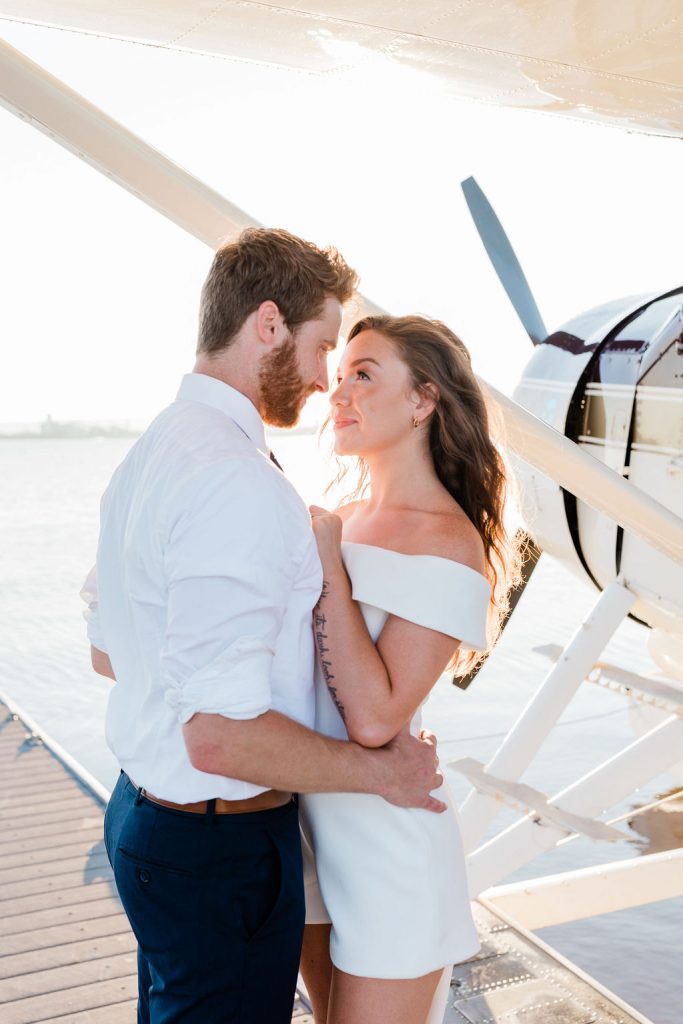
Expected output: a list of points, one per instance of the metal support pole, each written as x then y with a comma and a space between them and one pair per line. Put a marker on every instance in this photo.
68, 118
29, 91
599, 889
584, 476
590, 796
539, 716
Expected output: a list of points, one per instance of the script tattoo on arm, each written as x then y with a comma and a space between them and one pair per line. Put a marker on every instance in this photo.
320, 622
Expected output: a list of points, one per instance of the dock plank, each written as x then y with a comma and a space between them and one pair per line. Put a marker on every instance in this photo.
50, 792
58, 811
20, 783
44, 938
69, 953
52, 869
14, 888
18, 847
32, 1009
23, 781
69, 976
58, 898
18, 761
121, 1013
51, 828
59, 916
43, 856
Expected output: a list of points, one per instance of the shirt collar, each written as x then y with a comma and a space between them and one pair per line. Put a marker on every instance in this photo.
197, 387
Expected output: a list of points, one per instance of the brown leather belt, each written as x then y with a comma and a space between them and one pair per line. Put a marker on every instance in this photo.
261, 802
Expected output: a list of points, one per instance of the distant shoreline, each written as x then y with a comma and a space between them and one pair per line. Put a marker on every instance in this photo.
68, 429
50, 431
35, 435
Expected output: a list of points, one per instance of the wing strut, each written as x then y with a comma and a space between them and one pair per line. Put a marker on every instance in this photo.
36, 96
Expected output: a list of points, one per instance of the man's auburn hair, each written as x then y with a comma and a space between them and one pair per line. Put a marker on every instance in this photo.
268, 264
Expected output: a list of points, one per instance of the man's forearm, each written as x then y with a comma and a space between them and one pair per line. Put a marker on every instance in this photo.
276, 752
101, 663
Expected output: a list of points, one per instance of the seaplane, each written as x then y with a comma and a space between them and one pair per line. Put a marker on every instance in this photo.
594, 427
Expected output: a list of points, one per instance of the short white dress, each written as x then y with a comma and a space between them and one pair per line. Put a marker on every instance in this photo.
391, 880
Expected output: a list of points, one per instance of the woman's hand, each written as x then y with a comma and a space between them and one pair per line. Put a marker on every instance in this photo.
327, 529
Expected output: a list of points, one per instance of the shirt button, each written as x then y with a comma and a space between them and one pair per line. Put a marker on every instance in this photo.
144, 875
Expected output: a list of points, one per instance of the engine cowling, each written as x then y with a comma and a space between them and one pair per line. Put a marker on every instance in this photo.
612, 381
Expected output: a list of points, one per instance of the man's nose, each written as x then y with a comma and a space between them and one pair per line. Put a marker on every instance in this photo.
322, 382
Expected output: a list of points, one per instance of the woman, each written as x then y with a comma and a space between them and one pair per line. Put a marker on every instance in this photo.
415, 577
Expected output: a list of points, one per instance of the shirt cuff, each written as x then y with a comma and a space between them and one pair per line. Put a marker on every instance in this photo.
236, 684
91, 615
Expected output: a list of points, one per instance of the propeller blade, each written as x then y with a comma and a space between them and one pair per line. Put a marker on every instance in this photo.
505, 262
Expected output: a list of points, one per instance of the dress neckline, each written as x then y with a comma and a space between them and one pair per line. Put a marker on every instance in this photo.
402, 554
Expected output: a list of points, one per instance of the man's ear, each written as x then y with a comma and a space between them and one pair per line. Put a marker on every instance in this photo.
269, 323
426, 398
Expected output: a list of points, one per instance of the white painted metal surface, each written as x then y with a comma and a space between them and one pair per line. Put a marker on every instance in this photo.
592, 795
602, 61
574, 895
664, 695
532, 801
67, 117
600, 487
36, 96
518, 1011
541, 713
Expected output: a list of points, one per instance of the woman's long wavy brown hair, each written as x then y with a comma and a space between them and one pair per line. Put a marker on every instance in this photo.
465, 458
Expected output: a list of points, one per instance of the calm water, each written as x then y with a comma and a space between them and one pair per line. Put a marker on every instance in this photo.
49, 494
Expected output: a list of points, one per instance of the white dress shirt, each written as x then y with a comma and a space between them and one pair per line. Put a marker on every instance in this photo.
207, 573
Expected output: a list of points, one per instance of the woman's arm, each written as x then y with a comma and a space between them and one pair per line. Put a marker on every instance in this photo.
376, 689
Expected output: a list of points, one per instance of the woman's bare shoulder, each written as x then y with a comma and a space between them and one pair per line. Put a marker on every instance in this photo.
448, 534
456, 537
347, 510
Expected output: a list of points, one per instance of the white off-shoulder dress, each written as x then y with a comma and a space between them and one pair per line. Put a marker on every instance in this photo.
392, 880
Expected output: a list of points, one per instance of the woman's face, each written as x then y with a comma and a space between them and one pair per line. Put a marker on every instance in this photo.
373, 403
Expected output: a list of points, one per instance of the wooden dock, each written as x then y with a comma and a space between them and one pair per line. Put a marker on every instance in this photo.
67, 955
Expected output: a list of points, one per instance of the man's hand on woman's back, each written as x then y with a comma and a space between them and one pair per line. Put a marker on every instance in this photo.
412, 771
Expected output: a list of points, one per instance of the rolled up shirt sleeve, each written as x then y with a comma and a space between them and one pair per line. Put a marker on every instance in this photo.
91, 613
229, 576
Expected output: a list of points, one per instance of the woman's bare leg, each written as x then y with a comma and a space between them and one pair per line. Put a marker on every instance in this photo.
378, 1000
437, 1010
316, 968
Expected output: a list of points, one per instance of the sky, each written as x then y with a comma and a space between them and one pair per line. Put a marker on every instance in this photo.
100, 293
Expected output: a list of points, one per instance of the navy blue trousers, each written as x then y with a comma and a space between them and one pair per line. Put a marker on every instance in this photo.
217, 906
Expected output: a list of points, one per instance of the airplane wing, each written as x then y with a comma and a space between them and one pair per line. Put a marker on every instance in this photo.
612, 63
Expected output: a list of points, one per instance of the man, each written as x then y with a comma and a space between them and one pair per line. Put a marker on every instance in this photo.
207, 573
